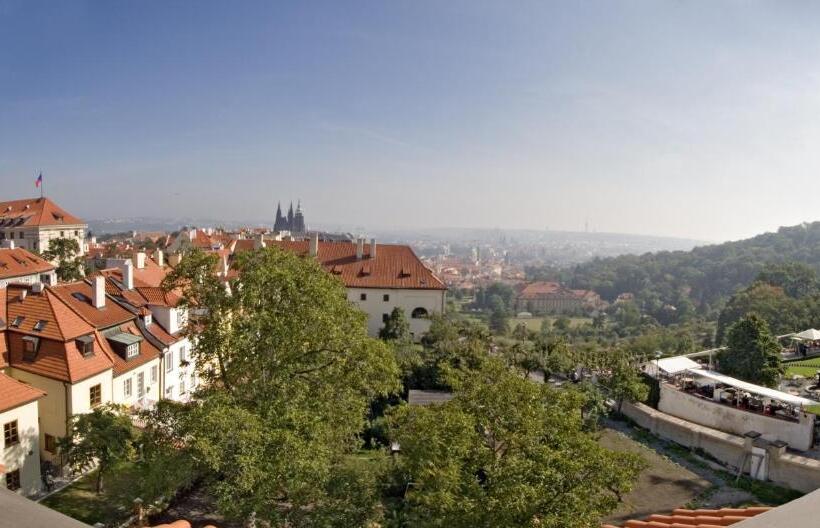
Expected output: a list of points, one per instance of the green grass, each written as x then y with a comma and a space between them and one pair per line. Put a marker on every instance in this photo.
803, 367
111, 507
534, 323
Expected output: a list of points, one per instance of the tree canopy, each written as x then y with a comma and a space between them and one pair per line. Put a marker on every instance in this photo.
65, 252
290, 374
752, 353
505, 452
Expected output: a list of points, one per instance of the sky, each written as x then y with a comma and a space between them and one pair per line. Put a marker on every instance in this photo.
694, 119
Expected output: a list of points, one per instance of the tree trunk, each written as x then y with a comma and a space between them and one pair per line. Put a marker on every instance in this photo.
99, 481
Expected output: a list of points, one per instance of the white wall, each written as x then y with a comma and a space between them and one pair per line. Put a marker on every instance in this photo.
52, 408
152, 390
731, 420
375, 306
169, 318
17, 456
79, 393
179, 375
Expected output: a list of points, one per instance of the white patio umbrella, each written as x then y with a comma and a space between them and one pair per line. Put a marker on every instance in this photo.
809, 335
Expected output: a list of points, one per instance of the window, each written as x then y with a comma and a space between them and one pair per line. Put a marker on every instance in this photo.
386, 297
13, 480
169, 391
76, 233
140, 384
85, 345
95, 395
181, 386
182, 355
11, 235
419, 313
127, 388
169, 361
132, 351
31, 345
363, 297
62, 234
39, 325
18, 321
182, 318
193, 380
21, 235
154, 374
51, 443
10, 434
385, 317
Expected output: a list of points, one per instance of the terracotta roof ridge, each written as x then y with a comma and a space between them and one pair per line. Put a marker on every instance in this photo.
57, 290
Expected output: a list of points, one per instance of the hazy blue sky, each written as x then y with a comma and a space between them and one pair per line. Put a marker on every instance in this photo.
693, 119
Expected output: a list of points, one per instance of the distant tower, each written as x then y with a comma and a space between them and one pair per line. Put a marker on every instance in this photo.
290, 217
299, 219
279, 225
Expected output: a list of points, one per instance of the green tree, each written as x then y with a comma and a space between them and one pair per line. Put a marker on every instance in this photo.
65, 252
505, 452
752, 353
396, 328
290, 375
103, 437
621, 377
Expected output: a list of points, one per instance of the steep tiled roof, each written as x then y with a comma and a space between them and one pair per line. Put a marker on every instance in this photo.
60, 360
14, 393
61, 323
19, 262
34, 212
682, 518
394, 266
77, 295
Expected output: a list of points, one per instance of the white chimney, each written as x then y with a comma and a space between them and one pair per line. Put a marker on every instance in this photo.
98, 292
128, 275
259, 242
159, 257
359, 248
314, 244
23, 294
372, 248
139, 260
192, 234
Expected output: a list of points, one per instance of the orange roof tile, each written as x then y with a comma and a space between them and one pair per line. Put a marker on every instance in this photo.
61, 323
394, 266
35, 212
59, 360
19, 262
77, 295
14, 393
683, 518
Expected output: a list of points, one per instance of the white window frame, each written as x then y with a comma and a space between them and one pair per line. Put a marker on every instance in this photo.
169, 361
128, 388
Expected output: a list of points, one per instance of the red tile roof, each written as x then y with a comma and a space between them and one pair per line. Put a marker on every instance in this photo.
540, 290
14, 393
683, 518
394, 266
34, 212
19, 262
61, 323
60, 360
77, 295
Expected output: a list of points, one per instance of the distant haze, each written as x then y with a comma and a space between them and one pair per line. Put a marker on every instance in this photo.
693, 119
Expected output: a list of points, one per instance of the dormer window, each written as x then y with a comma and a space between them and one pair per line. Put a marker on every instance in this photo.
147, 319
18, 321
31, 345
126, 345
85, 344
40, 325
132, 351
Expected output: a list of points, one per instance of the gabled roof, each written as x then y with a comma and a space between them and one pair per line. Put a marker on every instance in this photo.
19, 262
14, 393
61, 323
77, 295
695, 518
34, 212
60, 360
394, 266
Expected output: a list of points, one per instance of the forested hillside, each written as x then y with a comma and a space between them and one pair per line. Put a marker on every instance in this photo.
671, 286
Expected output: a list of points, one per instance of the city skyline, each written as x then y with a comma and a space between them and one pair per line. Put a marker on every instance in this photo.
656, 119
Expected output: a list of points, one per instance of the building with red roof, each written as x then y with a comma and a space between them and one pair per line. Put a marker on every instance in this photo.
20, 266
32, 223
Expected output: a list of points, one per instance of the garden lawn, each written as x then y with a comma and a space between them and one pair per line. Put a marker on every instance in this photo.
113, 506
805, 367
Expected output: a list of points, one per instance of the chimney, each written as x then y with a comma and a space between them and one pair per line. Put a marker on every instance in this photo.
359, 248
192, 234
37, 287
23, 294
128, 275
174, 259
372, 248
139, 259
259, 242
98, 292
314, 244
159, 257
